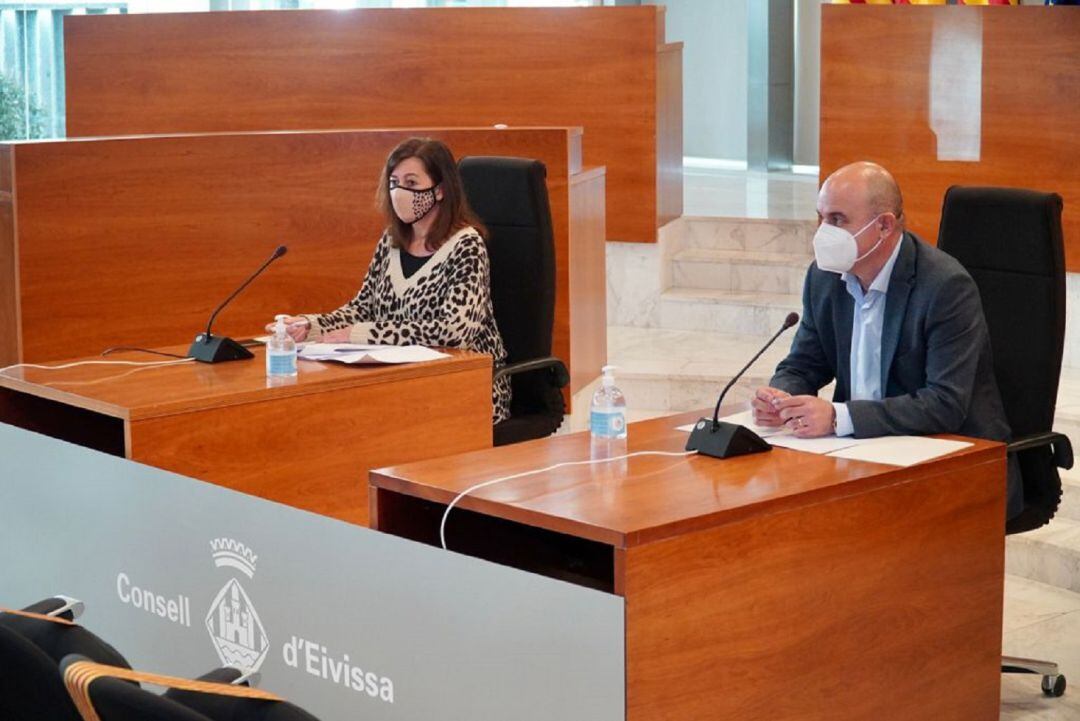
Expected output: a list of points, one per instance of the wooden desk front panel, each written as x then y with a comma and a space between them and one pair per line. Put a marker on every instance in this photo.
883, 605
134, 241
314, 451
875, 102
207, 72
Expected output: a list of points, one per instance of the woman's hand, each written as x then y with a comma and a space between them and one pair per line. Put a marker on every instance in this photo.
297, 326
341, 335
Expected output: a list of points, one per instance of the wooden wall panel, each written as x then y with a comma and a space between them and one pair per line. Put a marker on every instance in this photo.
588, 277
241, 446
9, 278
669, 133
875, 102
133, 241
204, 72
837, 611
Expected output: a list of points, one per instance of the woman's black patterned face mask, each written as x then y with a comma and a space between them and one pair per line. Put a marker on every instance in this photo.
412, 204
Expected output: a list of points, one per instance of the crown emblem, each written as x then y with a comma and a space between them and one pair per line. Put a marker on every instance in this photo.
234, 554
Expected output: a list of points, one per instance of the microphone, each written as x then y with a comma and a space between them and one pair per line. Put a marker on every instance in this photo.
724, 440
209, 348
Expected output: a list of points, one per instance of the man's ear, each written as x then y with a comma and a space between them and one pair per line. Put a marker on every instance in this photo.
889, 223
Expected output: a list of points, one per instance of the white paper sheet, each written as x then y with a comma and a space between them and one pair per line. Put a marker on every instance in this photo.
900, 450
745, 418
820, 446
316, 351
369, 354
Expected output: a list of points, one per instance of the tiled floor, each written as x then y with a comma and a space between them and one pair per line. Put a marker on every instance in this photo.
1041, 622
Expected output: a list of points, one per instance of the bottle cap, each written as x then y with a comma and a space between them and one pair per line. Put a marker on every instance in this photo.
608, 379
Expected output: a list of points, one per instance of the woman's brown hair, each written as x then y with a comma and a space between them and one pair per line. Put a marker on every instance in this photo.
454, 212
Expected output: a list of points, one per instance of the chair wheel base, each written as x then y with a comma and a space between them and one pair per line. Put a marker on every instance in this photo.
1053, 685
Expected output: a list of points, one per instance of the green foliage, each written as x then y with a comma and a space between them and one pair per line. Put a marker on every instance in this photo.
13, 113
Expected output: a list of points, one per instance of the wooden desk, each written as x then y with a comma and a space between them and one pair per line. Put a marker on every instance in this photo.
307, 443
781, 585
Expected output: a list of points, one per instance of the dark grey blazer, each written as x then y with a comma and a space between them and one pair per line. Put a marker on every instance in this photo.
936, 370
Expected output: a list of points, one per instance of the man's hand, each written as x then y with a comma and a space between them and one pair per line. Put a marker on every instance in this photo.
764, 405
807, 416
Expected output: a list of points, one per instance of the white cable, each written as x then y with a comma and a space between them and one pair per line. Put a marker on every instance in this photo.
493, 481
96, 362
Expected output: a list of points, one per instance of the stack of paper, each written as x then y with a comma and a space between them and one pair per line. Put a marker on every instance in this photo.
353, 353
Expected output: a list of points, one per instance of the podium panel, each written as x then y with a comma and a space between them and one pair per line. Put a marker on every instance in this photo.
182, 577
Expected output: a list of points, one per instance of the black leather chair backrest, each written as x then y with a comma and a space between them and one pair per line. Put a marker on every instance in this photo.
58, 640
30, 684
1011, 242
118, 700
230, 708
510, 196
30, 655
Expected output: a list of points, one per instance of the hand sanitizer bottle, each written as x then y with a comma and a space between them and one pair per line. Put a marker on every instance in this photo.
281, 352
607, 418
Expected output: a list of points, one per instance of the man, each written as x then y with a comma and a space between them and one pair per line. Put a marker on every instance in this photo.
895, 321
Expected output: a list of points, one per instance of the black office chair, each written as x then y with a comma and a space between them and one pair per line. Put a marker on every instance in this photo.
117, 699
1010, 241
31, 687
510, 196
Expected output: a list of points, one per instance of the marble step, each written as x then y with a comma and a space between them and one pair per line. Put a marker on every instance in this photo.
1070, 495
739, 270
726, 311
753, 234
679, 370
1050, 554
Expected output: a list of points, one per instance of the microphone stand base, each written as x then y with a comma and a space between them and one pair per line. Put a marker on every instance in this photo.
217, 349
725, 441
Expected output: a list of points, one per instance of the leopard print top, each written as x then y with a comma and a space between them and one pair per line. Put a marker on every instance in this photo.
445, 303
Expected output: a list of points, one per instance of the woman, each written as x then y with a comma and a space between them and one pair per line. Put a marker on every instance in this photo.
429, 281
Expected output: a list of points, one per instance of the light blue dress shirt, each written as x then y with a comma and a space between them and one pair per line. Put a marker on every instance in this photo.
868, 320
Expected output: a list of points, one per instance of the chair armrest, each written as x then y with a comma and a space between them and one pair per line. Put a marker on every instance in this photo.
1059, 444
562, 376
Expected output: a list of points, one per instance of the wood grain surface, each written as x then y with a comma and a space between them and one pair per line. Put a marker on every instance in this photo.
10, 333
307, 442
875, 102
884, 604
595, 67
648, 498
588, 277
134, 241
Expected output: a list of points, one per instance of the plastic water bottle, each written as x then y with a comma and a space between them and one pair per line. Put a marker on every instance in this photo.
281, 352
607, 418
